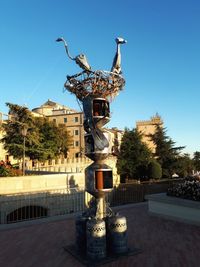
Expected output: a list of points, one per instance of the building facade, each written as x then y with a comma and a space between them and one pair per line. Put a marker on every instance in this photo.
72, 119
115, 139
148, 127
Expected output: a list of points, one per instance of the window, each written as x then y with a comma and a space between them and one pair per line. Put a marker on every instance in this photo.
76, 143
76, 132
65, 120
76, 119
54, 120
101, 108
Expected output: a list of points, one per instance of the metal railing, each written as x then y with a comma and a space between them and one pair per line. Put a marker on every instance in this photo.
29, 206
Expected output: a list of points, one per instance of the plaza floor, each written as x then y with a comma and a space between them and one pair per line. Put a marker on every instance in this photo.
164, 243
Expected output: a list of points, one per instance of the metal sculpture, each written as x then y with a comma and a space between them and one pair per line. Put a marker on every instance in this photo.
95, 89
116, 67
80, 59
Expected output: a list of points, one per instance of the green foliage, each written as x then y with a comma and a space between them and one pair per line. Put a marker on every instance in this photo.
184, 165
154, 170
6, 171
134, 155
44, 140
20, 117
165, 152
196, 160
54, 140
64, 140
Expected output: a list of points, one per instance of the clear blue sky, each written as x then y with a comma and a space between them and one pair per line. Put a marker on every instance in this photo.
161, 61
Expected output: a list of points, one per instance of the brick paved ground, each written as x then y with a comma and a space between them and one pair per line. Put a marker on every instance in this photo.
164, 243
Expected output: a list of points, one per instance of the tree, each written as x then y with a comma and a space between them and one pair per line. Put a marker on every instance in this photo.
44, 140
20, 117
165, 151
47, 148
154, 170
54, 139
133, 156
196, 160
184, 165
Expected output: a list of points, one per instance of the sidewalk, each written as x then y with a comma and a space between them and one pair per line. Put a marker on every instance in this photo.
164, 243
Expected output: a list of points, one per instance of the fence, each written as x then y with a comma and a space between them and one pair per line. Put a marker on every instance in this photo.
28, 206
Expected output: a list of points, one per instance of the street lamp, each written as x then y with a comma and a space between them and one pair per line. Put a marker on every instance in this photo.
24, 133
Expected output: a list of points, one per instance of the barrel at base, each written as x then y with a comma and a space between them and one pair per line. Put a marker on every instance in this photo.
117, 234
96, 239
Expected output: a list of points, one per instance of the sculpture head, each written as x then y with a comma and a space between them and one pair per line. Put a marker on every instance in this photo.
120, 40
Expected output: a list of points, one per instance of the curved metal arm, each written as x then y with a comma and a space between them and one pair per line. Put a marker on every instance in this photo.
61, 39
81, 59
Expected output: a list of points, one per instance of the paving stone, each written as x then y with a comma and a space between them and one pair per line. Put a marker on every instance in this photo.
164, 243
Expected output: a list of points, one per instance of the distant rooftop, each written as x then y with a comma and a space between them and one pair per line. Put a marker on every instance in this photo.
154, 120
50, 108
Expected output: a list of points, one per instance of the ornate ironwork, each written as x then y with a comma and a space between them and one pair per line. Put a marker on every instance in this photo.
95, 83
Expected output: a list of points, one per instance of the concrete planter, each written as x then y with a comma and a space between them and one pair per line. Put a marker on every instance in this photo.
174, 208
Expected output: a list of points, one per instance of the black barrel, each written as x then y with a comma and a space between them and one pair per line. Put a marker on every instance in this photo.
117, 234
96, 239
81, 233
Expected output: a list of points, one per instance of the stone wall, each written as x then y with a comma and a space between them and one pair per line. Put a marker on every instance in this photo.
41, 183
37, 183
59, 193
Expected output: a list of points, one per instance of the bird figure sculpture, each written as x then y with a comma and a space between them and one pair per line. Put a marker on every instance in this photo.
81, 59
116, 67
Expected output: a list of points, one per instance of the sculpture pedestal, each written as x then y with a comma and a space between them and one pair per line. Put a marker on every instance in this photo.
100, 241
81, 257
